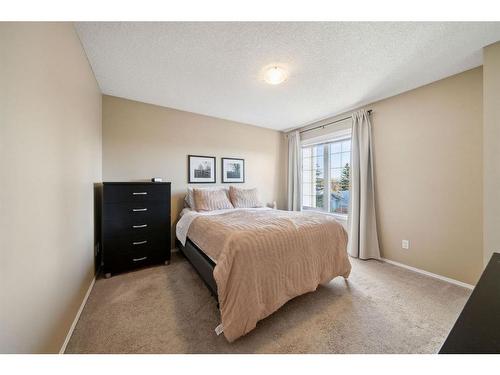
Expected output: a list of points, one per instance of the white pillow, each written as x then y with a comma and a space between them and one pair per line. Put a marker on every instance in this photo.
189, 198
244, 198
211, 200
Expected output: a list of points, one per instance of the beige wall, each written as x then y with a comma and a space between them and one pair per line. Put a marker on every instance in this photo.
50, 154
491, 152
143, 140
428, 176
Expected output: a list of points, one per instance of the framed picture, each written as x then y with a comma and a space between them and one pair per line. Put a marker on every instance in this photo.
201, 169
233, 170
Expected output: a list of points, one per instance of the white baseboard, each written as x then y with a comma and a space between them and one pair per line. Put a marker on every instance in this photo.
79, 312
427, 273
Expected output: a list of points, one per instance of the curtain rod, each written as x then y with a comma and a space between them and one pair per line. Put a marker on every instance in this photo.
330, 123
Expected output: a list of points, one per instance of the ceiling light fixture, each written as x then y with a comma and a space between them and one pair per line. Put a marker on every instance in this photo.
275, 75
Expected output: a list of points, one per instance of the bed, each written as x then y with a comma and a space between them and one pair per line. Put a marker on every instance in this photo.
255, 260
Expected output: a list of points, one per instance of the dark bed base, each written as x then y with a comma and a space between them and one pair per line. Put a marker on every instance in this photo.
201, 263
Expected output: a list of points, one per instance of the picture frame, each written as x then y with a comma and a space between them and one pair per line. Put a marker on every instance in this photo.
233, 170
201, 169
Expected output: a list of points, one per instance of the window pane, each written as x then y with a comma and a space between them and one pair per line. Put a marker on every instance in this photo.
313, 173
318, 162
346, 145
306, 163
339, 202
335, 161
334, 180
335, 147
345, 177
318, 151
316, 189
307, 201
306, 189
335, 173
346, 158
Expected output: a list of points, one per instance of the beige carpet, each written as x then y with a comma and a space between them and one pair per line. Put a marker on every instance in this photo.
167, 309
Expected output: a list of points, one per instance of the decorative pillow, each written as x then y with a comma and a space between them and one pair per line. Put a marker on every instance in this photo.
209, 200
244, 198
189, 198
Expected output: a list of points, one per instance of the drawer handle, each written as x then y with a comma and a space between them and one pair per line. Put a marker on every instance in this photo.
139, 259
139, 243
140, 226
139, 209
140, 193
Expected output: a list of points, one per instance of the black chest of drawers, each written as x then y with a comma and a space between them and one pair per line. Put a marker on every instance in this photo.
135, 225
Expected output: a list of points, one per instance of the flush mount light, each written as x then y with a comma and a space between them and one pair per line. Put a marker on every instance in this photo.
275, 75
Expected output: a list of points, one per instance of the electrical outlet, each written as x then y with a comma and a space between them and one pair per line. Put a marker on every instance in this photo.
405, 244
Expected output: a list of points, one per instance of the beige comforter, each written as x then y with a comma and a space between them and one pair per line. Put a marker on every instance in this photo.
264, 258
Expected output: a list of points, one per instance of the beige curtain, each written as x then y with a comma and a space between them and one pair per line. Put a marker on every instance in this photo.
363, 238
294, 172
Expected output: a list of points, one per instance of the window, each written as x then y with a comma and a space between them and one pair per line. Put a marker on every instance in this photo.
326, 176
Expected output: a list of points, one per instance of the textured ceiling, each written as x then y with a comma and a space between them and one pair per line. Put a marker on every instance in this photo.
214, 68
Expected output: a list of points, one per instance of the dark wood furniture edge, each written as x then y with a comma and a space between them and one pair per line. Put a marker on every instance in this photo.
134, 182
97, 228
477, 329
201, 263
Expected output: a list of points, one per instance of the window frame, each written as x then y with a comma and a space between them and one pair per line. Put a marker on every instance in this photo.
337, 136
